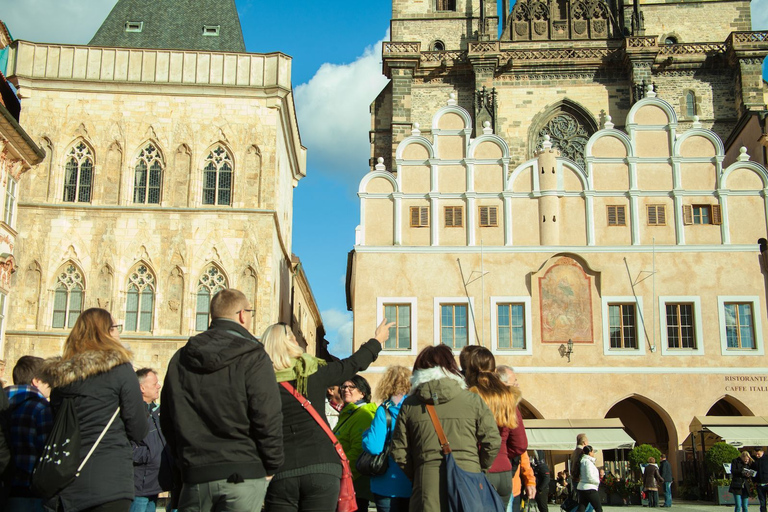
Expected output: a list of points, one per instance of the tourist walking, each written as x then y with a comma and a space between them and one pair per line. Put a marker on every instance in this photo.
391, 490
651, 481
95, 369
665, 470
468, 423
589, 481
760, 465
309, 478
740, 466
221, 414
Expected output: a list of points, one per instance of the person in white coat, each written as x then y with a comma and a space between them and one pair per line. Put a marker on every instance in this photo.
589, 481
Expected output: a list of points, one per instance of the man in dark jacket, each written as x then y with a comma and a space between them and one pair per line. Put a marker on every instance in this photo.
221, 412
665, 469
541, 470
761, 478
148, 453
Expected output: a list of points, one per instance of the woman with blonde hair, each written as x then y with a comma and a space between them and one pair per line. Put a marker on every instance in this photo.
392, 490
740, 477
96, 370
309, 478
502, 400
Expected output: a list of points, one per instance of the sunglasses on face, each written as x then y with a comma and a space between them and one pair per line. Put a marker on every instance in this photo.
350, 387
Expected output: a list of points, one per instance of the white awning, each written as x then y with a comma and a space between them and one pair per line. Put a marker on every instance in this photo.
603, 434
735, 430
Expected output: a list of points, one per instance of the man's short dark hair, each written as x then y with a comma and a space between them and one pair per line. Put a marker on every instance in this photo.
227, 302
26, 369
142, 373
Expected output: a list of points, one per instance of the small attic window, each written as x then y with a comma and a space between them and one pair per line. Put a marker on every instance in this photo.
211, 30
134, 26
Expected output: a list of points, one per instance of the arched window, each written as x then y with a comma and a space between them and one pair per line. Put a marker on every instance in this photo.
670, 40
569, 134
210, 282
217, 177
78, 174
438, 46
148, 179
68, 297
690, 104
140, 307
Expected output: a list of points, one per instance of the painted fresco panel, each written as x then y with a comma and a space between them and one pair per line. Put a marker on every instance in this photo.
565, 293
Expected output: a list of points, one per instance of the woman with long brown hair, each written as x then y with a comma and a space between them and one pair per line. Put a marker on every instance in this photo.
95, 369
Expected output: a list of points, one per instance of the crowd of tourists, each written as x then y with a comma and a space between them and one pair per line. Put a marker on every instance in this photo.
245, 424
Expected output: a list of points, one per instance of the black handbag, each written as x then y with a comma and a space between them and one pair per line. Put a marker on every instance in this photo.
376, 465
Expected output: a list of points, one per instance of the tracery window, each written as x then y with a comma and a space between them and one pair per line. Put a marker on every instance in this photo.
140, 307
568, 135
148, 180
211, 282
217, 177
68, 297
78, 174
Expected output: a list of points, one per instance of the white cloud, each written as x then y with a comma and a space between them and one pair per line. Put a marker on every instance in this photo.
759, 14
55, 21
334, 114
338, 326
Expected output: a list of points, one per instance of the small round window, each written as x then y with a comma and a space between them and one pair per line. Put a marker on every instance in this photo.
438, 46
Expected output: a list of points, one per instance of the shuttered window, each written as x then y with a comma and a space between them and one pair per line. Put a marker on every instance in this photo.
489, 216
702, 214
617, 215
419, 216
454, 216
657, 215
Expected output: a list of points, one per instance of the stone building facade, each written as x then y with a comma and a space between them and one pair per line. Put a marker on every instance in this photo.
568, 181
169, 174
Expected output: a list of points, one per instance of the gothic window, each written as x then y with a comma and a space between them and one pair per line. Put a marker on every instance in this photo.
140, 307
446, 5
68, 297
690, 104
438, 46
567, 133
148, 179
78, 174
670, 40
211, 282
217, 177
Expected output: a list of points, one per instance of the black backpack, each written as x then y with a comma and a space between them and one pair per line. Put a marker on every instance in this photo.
60, 464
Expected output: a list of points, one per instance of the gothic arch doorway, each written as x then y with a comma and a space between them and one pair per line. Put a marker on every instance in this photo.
528, 411
645, 422
729, 406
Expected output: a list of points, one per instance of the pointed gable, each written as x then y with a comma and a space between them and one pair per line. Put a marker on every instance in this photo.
206, 25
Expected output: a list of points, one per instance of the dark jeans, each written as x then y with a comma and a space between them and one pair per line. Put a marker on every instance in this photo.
315, 492
590, 497
387, 504
541, 501
502, 482
653, 498
762, 490
362, 504
112, 506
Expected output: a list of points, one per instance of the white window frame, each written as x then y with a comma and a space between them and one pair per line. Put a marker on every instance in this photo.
411, 301
759, 349
641, 342
508, 299
437, 315
134, 26
11, 191
697, 325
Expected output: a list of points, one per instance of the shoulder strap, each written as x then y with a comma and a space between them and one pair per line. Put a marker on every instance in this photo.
439, 428
93, 448
307, 405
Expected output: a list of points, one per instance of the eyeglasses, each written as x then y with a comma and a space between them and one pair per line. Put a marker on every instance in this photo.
248, 310
347, 387
118, 327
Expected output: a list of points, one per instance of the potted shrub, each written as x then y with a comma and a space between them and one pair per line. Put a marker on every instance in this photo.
719, 454
639, 456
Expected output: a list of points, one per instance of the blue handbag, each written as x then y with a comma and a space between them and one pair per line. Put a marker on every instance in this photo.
467, 491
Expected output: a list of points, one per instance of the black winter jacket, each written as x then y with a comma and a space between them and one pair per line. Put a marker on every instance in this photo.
147, 455
220, 407
665, 469
308, 449
738, 480
101, 381
761, 466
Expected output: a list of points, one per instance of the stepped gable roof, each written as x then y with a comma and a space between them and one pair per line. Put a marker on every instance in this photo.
205, 25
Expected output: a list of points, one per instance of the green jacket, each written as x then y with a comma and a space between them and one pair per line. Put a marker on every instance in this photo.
468, 424
353, 421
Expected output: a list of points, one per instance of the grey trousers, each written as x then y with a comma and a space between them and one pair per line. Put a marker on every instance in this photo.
222, 496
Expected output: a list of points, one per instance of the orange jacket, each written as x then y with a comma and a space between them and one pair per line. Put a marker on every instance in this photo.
524, 471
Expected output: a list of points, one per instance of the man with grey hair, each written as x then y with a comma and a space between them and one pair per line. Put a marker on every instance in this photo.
221, 412
507, 375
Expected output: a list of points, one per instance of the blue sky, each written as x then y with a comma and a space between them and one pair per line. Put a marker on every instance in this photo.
336, 75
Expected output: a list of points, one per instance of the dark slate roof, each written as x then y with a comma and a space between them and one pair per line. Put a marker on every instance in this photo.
172, 24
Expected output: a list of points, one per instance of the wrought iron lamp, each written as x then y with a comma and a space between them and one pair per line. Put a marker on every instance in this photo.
566, 350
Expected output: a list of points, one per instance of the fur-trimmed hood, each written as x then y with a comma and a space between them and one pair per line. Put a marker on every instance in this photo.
61, 372
435, 385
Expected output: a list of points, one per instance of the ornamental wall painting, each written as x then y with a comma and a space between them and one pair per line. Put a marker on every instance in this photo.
565, 293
